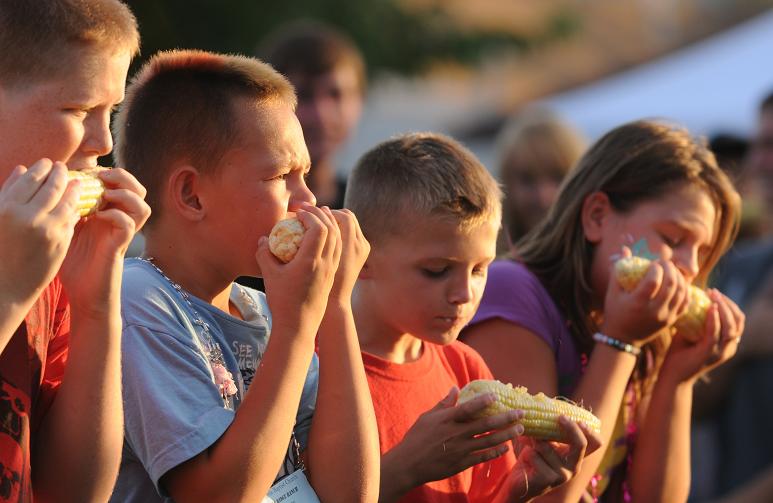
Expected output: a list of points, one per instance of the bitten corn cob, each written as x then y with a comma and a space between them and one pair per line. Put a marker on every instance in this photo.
92, 189
285, 238
542, 412
630, 270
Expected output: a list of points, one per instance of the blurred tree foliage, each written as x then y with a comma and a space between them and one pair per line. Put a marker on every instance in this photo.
390, 38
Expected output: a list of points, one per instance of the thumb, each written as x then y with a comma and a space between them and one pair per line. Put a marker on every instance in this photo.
264, 256
449, 400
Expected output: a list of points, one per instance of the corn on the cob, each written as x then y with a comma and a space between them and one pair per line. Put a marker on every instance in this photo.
92, 189
285, 238
630, 270
541, 412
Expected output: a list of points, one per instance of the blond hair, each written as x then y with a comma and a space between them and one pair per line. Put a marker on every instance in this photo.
38, 38
418, 175
538, 144
634, 163
180, 107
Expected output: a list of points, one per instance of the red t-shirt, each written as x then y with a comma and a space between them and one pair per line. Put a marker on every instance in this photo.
402, 392
31, 369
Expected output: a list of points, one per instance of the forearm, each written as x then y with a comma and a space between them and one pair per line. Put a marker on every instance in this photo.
13, 309
601, 389
250, 452
80, 440
396, 476
661, 464
344, 420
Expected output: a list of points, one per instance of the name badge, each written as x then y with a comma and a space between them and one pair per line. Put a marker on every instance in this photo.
293, 488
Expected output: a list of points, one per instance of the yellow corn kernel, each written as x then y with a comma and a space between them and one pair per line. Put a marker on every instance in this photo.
541, 412
91, 187
630, 270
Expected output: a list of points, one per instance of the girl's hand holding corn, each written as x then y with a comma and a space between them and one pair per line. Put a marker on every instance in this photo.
654, 304
686, 361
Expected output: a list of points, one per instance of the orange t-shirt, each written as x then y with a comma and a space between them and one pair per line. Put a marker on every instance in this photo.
402, 392
31, 370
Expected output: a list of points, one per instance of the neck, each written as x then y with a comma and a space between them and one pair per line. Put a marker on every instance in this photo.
193, 273
380, 339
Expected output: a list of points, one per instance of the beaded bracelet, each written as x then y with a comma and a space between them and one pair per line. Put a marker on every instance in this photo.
616, 343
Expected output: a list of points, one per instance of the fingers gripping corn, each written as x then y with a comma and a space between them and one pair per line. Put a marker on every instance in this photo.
92, 189
285, 238
542, 412
630, 270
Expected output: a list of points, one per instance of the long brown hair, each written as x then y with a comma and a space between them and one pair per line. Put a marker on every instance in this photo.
631, 164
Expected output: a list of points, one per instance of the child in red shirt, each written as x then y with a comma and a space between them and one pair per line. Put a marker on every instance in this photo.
431, 212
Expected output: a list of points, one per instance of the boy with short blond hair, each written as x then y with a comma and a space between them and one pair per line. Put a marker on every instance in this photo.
63, 66
431, 212
217, 143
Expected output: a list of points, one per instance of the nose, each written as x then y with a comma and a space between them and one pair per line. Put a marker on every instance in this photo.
460, 290
687, 262
98, 140
301, 194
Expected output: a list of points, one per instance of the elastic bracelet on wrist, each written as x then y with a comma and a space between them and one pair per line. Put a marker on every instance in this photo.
617, 344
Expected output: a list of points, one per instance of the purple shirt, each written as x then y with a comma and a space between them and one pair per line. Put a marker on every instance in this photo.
516, 295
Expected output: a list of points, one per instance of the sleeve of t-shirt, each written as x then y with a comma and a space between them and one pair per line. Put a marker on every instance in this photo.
172, 410
56, 353
514, 294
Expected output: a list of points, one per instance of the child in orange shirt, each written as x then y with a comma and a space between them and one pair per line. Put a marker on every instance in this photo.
431, 212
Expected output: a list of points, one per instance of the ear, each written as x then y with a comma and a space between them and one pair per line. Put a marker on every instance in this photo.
596, 210
183, 192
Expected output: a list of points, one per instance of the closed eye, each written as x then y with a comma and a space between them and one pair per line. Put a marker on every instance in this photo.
434, 273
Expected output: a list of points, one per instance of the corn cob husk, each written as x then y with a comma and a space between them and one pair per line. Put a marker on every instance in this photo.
92, 189
630, 270
541, 412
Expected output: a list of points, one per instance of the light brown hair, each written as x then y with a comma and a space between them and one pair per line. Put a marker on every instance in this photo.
312, 49
536, 143
634, 163
180, 107
418, 175
38, 38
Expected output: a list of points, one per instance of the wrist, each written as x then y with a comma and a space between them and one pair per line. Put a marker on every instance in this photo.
618, 344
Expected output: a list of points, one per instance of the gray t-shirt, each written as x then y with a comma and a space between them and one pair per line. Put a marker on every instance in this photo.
173, 410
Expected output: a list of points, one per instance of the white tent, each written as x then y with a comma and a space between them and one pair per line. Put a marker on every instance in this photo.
712, 86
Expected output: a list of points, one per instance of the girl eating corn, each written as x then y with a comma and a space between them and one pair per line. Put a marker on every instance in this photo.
557, 319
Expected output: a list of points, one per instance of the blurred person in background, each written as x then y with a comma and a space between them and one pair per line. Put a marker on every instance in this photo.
537, 149
733, 410
328, 73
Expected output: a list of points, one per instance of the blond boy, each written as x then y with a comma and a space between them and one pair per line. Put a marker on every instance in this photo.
63, 66
431, 213
215, 410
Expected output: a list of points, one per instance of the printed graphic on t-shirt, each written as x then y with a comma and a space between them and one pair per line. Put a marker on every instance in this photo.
14, 407
247, 356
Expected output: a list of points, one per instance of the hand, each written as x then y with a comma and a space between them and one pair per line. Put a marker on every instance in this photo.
449, 438
96, 253
544, 465
354, 252
655, 304
37, 219
297, 292
724, 326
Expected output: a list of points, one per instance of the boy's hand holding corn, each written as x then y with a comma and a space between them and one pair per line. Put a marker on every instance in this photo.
92, 267
445, 440
37, 219
297, 291
354, 252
